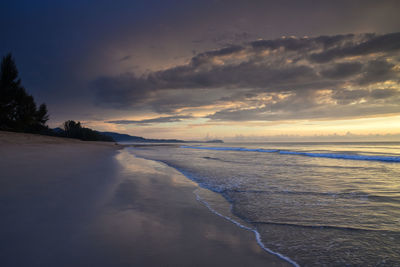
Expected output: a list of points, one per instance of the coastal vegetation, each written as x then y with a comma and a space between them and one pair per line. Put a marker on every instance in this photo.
19, 112
72, 129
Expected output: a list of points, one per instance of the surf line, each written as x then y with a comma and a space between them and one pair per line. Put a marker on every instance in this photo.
256, 233
308, 154
198, 198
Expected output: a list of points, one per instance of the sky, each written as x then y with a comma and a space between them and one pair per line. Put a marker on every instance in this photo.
227, 69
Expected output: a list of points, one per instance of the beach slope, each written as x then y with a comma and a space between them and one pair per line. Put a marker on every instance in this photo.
65, 202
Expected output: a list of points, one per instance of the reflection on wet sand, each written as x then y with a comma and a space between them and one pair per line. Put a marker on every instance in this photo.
153, 218
68, 203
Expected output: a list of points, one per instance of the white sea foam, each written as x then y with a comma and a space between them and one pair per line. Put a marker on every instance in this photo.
309, 154
343, 156
233, 149
294, 203
256, 233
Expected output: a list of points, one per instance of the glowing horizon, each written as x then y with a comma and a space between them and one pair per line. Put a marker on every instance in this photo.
225, 69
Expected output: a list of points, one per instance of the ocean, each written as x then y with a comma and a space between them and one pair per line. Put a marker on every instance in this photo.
312, 204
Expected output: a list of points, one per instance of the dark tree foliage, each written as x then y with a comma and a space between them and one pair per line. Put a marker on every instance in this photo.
18, 110
74, 129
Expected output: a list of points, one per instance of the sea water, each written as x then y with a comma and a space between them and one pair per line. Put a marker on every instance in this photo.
334, 204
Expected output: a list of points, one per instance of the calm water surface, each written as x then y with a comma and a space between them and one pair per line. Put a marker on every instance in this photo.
329, 204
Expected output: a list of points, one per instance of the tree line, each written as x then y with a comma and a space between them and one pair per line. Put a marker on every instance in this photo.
19, 112
74, 129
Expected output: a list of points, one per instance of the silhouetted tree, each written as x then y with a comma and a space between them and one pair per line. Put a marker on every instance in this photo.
41, 114
9, 85
18, 111
74, 129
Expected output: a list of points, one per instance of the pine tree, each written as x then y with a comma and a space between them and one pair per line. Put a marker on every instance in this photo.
9, 89
18, 111
41, 114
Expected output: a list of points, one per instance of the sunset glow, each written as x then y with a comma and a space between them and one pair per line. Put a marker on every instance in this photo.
258, 70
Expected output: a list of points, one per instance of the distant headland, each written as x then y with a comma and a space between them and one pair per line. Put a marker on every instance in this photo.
137, 139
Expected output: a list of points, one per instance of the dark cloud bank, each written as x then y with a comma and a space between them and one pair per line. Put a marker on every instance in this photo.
325, 77
155, 120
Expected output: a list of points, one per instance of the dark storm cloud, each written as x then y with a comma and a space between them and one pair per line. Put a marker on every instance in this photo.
253, 114
378, 71
247, 67
349, 96
129, 91
154, 120
62, 46
368, 44
267, 68
169, 101
342, 70
220, 52
332, 112
300, 45
384, 93
304, 105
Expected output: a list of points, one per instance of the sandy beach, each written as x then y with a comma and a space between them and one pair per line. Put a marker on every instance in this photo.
65, 202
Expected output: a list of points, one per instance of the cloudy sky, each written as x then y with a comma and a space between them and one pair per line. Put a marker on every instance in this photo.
218, 69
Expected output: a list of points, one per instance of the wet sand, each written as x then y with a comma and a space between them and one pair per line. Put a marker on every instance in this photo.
70, 203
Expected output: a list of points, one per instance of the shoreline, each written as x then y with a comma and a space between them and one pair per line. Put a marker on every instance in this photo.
74, 203
256, 233
227, 239
226, 215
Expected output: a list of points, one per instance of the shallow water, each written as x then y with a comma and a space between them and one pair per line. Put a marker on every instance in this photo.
317, 203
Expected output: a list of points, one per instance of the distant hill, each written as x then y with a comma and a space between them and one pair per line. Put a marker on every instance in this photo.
137, 139
129, 138
75, 130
